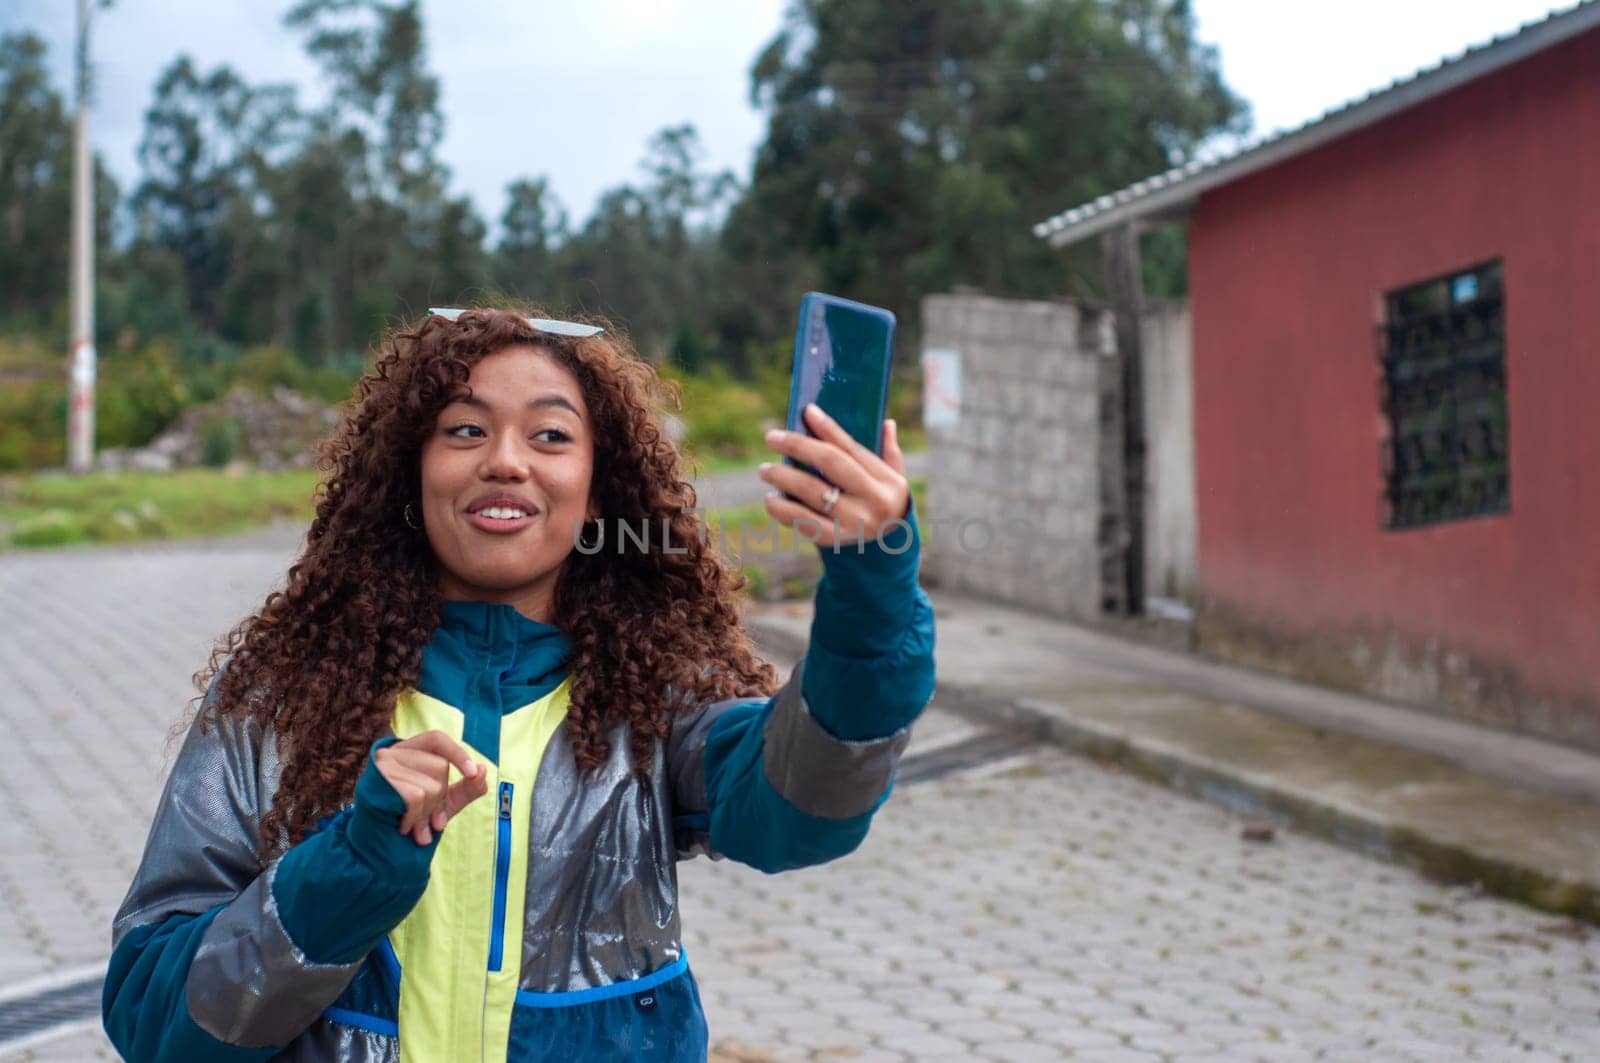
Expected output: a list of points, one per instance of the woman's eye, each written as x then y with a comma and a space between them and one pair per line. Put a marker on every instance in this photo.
472, 431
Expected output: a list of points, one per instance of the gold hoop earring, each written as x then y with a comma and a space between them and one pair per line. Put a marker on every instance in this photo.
410, 516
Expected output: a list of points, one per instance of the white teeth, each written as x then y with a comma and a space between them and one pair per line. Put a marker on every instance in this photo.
502, 513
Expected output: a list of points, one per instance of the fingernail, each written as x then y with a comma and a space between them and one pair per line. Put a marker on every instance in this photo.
764, 466
774, 434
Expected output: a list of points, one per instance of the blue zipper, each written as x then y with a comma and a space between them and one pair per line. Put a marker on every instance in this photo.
502, 871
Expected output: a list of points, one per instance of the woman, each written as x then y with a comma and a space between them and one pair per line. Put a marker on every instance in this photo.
431, 806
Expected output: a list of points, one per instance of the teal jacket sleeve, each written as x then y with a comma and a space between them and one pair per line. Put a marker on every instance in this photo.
795, 779
217, 958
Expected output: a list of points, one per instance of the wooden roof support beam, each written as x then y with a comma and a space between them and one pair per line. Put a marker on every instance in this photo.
1125, 286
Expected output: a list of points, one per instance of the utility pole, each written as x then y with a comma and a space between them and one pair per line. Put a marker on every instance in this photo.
81, 353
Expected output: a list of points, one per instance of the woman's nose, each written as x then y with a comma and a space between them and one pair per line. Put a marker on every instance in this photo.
505, 459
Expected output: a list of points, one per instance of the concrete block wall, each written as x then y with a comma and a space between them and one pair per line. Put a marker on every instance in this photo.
1014, 488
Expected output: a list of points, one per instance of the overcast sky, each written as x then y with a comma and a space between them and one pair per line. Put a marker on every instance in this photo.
573, 91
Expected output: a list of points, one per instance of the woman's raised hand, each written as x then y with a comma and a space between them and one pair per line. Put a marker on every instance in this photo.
873, 490
419, 770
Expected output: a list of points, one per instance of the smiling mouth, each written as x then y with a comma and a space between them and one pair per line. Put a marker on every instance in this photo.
501, 519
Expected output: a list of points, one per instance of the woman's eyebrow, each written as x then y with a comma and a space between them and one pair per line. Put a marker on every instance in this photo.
535, 403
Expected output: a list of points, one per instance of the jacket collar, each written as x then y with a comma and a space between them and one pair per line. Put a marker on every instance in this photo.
482, 641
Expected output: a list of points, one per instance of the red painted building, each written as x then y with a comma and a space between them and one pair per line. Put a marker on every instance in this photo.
1396, 363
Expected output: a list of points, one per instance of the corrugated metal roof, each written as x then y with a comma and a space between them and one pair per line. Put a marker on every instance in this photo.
1178, 188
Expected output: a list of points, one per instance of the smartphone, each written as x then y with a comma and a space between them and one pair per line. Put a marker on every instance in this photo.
842, 352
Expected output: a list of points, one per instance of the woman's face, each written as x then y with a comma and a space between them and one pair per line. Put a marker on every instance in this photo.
505, 480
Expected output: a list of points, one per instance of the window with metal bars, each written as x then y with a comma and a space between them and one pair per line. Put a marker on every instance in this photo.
1442, 353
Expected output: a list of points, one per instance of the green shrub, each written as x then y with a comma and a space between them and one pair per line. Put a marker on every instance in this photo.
263, 368
138, 394
220, 439
723, 415
755, 582
771, 370
33, 423
22, 351
905, 406
53, 527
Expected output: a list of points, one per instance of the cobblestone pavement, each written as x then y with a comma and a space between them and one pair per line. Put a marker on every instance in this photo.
1031, 907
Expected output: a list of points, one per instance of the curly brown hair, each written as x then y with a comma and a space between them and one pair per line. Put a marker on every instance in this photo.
323, 660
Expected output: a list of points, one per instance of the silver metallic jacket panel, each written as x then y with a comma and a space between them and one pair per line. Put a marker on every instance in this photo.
821, 775
249, 984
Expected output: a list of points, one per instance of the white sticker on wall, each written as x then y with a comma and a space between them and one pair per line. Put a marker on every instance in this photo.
941, 388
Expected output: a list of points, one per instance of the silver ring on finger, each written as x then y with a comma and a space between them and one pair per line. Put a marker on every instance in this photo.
830, 498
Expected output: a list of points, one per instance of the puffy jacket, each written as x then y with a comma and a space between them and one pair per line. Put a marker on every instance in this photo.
542, 923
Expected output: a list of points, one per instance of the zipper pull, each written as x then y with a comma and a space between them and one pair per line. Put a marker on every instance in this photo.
505, 800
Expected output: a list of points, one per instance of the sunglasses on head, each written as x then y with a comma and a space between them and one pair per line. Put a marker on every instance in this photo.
541, 324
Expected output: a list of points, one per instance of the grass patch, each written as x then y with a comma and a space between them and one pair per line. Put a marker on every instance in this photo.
712, 464
135, 506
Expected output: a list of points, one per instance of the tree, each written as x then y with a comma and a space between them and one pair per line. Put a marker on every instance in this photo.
533, 228
648, 254
36, 192
209, 143
685, 200
35, 182
911, 146
373, 52
425, 245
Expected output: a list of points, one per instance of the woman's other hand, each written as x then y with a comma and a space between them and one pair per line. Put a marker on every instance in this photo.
419, 771
874, 491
